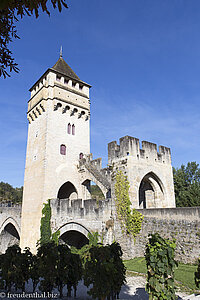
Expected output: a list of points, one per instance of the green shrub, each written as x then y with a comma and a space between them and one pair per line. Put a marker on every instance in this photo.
160, 268
105, 271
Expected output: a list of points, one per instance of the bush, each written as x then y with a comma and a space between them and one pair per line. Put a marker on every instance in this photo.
105, 271
160, 268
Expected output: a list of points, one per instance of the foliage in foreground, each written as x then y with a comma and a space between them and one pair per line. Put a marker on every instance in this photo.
184, 273
10, 11
187, 185
56, 266
131, 219
105, 271
160, 268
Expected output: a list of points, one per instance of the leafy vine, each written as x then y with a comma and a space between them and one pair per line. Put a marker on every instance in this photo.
160, 268
45, 228
131, 219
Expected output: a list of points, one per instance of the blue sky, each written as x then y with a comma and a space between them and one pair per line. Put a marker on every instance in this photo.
142, 59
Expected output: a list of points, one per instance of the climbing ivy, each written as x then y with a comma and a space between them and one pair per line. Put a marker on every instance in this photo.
160, 268
131, 219
45, 228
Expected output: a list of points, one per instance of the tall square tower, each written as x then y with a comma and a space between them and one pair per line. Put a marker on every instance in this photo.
58, 135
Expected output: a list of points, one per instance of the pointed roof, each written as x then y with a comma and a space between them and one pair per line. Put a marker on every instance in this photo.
62, 67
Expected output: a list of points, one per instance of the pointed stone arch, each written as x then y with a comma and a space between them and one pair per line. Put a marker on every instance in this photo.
88, 185
9, 234
151, 191
106, 191
11, 221
67, 191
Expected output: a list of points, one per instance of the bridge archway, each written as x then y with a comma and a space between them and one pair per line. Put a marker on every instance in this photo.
9, 234
92, 190
86, 182
67, 190
74, 234
151, 191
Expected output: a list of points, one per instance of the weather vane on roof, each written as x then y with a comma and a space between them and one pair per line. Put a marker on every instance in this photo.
61, 51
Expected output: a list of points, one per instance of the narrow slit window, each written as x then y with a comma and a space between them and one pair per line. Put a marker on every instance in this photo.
69, 128
73, 129
63, 149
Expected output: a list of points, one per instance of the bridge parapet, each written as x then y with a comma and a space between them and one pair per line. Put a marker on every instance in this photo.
85, 212
80, 208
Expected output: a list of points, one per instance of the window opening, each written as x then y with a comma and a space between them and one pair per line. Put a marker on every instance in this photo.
73, 129
69, 128
63, 149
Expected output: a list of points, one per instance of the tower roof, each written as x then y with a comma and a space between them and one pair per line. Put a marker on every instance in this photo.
62, 67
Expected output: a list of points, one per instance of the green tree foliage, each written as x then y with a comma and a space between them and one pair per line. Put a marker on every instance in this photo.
58, 267
33, 267
47, 258
160, 268
131, 219
14, 268
96, 193
197, 275
105, 271
84, 252
8, 193
187, 185
10, 11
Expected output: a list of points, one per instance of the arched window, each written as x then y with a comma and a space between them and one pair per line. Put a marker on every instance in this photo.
63, 149
73, 129
69, 128
81, 155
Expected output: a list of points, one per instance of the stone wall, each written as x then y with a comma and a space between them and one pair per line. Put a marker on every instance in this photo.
182, 224
83, 216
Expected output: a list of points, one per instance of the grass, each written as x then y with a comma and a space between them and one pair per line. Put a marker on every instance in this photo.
184, 274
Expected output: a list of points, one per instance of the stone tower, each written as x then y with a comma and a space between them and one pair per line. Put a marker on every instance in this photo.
58, 135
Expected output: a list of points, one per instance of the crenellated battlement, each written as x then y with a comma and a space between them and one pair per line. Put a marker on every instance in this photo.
81, 208
130, 146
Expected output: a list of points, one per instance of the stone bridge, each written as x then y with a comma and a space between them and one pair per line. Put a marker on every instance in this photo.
76, 218
73, 218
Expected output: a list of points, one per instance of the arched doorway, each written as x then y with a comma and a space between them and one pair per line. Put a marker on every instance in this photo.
67, 190
74, 234
9, 236
151, 194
